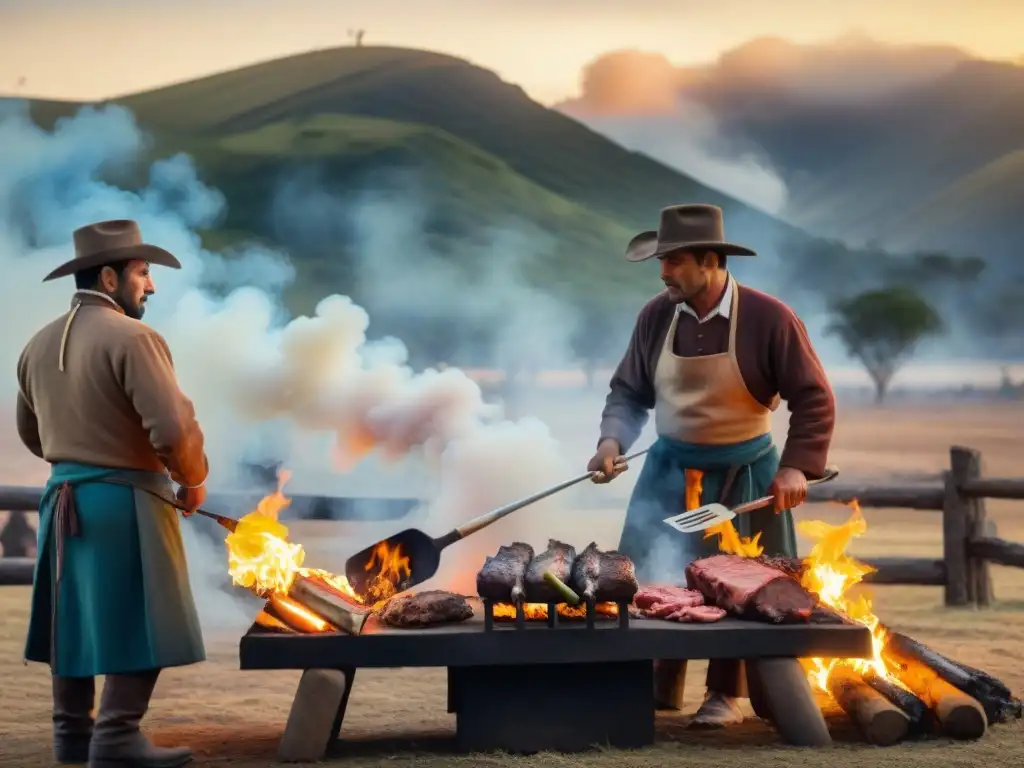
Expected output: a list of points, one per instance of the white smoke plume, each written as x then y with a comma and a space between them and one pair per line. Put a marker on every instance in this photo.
638, 99
313, 392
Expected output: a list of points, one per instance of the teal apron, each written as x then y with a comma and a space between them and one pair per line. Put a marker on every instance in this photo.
111, 593
661, 553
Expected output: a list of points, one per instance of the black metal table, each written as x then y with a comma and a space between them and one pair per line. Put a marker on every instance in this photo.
535, 687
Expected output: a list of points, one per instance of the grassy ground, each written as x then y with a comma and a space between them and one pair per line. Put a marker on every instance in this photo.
398, 717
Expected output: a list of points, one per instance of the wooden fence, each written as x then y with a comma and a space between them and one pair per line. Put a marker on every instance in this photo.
969, 541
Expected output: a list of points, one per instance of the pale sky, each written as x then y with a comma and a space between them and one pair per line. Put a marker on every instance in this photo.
89, 49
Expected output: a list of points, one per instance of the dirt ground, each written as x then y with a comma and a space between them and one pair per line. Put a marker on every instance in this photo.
397, 717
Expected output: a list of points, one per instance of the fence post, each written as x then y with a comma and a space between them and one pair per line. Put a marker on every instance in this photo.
954, 542
966, 465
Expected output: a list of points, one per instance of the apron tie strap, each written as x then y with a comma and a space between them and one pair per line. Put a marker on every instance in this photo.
66, 524
64, 336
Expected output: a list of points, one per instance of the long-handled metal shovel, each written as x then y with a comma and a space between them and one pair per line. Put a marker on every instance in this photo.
709, 515
424, 551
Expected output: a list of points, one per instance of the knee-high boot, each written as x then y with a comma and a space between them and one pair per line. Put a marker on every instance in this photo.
117, 741
73, 701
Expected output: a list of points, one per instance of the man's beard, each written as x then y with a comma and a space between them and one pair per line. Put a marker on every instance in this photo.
132, 310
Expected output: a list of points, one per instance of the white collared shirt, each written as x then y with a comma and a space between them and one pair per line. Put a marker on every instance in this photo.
724, 307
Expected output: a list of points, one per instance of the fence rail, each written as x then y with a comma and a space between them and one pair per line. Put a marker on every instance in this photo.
969, 541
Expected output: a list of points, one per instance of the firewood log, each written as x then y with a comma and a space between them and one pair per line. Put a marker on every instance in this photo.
960, 715
922, 719
879, 721
341, 611
998, 701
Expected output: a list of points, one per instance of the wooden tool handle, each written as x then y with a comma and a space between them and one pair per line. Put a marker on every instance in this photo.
478, 523
831, 473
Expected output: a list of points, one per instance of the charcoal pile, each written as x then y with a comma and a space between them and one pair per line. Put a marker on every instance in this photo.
751, 589
675, 604
425, 609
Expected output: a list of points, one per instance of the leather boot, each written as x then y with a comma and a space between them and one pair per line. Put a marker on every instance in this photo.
73, 701
117, 741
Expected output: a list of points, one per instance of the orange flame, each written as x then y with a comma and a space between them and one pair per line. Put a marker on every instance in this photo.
392, 568
539, 611
729, 539
830, 574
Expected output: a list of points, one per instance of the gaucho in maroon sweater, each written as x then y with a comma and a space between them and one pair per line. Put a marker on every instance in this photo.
713, 360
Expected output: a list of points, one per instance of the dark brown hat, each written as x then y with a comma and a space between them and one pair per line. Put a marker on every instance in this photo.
685, 228
108, 242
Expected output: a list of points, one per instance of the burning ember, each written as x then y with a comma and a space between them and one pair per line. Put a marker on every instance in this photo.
261, 559
539, 611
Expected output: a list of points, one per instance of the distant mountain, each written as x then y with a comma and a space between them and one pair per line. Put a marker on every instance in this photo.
359, 119
905, 146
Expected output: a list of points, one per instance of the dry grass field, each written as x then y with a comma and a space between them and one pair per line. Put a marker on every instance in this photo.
234, 718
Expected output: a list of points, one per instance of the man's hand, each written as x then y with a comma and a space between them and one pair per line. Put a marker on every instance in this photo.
190, 498
789, 488
608, 462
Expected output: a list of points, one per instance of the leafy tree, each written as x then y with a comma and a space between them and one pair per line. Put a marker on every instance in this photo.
882, 328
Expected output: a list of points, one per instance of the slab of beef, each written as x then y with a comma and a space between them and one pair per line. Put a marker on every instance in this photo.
603, 576
501, 578
750, 589
425, 609
675, 604
558, 559
793, 566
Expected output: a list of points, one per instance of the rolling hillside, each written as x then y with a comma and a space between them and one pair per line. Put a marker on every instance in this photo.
428, 89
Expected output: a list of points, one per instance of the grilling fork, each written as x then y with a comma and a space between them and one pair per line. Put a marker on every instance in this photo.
709, 515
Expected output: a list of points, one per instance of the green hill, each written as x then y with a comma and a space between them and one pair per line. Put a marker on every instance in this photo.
481, 152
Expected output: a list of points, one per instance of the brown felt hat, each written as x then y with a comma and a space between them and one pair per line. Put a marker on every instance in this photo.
108, 242
685, 228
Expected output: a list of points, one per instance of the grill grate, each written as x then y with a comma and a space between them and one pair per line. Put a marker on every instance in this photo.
554, 620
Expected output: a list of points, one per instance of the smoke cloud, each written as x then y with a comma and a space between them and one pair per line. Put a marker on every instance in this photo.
318, 393
639, 100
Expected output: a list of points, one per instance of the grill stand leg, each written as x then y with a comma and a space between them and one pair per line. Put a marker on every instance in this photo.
786, 692
531, 708
317, 713
669, 683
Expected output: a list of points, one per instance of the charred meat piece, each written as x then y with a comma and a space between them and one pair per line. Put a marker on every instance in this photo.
558, 559
425, 609
792, 566
675, 604
750, 589
603, 576
501, 579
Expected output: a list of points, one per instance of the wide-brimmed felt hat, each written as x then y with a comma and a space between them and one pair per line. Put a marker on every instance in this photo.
698, 228
109, 242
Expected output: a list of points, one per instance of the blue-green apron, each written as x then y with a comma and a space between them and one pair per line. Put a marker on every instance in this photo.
661, 553
111, 593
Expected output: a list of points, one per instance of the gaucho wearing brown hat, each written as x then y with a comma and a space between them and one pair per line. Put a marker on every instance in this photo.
99, 400
712, 359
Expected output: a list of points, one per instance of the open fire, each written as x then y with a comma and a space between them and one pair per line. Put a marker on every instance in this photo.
262, 560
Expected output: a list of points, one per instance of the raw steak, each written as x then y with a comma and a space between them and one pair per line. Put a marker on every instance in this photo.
748, 588
603, 576
675, 604
557, 558
425, 609
501, 578
648, 597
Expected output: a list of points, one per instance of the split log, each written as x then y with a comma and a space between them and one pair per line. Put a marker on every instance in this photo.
270, 621
922, 719
339, 609
879, 721
960, 716
297, 616
994, 696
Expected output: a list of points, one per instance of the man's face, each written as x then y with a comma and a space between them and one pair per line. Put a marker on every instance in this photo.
131, 289
685, 276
